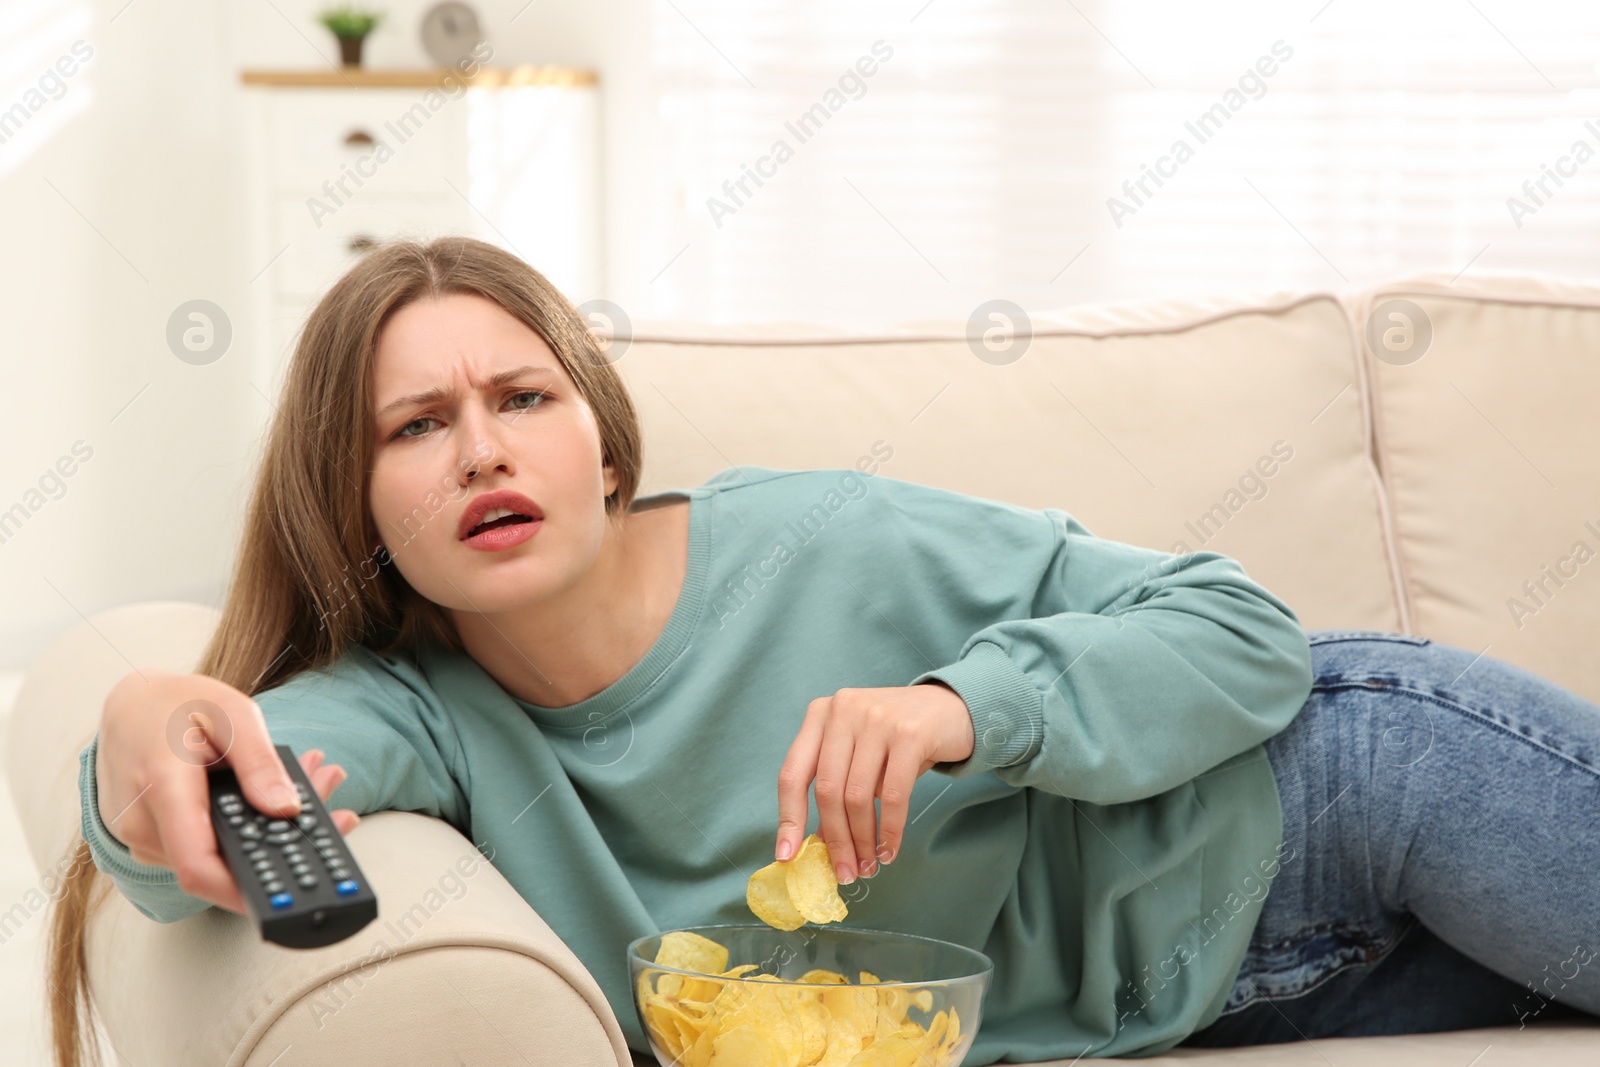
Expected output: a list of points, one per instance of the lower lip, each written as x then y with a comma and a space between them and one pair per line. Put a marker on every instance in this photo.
504, 537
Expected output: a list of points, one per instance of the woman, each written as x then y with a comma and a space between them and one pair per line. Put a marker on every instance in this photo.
447, 585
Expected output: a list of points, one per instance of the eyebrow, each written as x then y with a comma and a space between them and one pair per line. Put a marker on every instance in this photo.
436, 394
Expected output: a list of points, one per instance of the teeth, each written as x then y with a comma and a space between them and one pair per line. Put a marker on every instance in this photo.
497, 513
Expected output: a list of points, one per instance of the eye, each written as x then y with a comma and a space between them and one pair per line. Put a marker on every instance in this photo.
538, 399
402, 431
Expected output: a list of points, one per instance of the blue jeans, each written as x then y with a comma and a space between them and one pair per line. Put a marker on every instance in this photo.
1444, 814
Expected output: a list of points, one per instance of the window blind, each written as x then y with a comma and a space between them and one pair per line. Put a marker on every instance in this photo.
1006, 150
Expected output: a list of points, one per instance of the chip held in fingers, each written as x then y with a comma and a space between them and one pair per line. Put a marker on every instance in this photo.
788, 894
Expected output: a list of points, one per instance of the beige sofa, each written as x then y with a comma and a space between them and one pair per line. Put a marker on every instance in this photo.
1411, 494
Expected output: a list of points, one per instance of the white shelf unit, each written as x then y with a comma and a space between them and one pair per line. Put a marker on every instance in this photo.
512, 158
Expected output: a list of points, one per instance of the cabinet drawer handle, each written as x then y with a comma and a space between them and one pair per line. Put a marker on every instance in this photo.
362, 242
358, 139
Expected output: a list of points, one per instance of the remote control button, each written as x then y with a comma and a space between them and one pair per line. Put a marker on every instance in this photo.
235, 820
281, 838
306, 822
273, 886
250, 832
263, 863
337, 872
300, 868
282, 900
307, 881
346, 887
277, 825
291, 848
251, 846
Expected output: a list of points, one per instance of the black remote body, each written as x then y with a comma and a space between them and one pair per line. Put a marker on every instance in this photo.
296, 875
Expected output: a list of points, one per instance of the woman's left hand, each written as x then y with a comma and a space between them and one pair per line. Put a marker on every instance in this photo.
860, 744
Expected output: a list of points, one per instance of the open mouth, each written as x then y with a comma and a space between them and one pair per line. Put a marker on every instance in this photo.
498, 523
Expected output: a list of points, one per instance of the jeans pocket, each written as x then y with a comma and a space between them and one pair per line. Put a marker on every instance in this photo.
1322, 637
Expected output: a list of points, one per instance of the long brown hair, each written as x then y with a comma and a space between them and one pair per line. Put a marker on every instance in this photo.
292, 605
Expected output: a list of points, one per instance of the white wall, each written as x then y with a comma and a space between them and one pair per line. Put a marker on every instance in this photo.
131, 205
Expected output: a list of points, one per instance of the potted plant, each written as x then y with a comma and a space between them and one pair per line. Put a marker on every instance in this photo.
351, 25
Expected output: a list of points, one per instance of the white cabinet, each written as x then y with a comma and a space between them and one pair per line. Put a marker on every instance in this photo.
339, 160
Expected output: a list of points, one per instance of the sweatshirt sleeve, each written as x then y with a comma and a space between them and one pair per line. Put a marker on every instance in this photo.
1113, 672
373, 715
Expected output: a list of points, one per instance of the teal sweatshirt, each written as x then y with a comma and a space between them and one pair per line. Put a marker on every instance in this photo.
1108, 843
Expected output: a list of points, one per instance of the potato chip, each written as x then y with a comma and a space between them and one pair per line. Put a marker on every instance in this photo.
813, 886
691, 952
768, 897
662, 1028
787, 894
762, 1009
843, 1047
745, 1046
819, 976
700, 990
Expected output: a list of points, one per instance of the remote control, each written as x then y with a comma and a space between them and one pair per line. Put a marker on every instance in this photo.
296, 875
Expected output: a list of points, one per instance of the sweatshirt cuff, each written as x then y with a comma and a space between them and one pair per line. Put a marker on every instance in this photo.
110, 855
1007, 710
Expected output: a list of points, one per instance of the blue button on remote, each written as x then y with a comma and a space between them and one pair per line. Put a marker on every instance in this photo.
346, 887
282, 900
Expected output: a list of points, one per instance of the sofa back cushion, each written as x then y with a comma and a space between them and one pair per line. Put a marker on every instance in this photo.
1490, 445
1179, 425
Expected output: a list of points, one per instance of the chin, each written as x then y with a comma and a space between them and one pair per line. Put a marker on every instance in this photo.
503, 586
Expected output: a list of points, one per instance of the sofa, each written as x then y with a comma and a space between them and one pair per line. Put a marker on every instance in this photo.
1432, 473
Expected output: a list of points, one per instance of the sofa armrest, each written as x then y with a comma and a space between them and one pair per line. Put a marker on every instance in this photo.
457, 968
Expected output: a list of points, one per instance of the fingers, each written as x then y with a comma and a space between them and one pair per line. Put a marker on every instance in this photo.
794, 781
854, 748
898, 778
325, 779
833, 772
866, 772
189, 844
255, 761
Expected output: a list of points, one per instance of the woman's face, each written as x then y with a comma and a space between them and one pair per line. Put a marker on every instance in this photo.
499, 403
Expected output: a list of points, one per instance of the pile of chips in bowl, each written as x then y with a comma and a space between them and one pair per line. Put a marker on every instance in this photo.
712, 1021
719, 1018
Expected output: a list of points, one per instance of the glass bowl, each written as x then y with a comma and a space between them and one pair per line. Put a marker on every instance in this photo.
780, 1010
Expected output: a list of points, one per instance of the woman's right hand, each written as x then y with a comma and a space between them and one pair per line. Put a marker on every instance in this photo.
160, 734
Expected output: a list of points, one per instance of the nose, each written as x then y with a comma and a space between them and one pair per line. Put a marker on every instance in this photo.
482, 450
